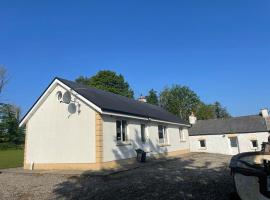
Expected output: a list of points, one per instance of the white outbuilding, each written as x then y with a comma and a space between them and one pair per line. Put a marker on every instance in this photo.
72, 126
229, 136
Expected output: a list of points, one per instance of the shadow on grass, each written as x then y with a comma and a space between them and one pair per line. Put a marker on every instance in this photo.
198, 176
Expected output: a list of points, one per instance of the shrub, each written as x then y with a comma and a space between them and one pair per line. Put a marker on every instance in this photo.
7, 146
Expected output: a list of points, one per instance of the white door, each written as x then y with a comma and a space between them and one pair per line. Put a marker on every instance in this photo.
234, 145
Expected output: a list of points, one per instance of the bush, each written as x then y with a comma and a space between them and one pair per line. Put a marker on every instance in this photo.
7, 146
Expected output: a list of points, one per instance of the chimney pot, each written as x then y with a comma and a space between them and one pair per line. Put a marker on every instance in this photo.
142, 99
264, 112
192, 119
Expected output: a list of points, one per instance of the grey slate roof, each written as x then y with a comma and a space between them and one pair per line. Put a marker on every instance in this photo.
111, 102
244, 124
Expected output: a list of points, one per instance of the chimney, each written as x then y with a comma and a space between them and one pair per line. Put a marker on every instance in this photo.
264, 112
192, 119
142, 99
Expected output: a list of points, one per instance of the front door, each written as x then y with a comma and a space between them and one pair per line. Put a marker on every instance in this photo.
234, 145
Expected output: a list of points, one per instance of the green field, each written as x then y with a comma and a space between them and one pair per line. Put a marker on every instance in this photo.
11, 158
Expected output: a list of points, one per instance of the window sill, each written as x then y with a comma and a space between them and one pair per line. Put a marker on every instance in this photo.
123, 143
163, 145
202, 148
255, 148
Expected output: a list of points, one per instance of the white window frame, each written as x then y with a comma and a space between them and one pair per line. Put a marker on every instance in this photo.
200, 147
121, 141
182, 135
165, 135
252, 147
236, 140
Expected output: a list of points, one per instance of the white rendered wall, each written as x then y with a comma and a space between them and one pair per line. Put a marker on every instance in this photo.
214, 144
113, 151
56, 136
221, 143
245, 140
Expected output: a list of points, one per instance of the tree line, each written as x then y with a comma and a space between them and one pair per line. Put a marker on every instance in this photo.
11, 135
177, 99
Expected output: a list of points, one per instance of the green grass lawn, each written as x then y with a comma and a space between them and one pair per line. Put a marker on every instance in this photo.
11, 158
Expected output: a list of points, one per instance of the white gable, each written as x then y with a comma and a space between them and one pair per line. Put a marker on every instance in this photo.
48, 91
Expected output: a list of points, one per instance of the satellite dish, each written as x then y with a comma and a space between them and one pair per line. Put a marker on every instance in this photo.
72, 108
66, 98
59, 95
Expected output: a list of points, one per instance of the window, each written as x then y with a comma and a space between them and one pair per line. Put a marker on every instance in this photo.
143, 138
233, 141
121, 130
202, 143
162, 134
182, 135
254, 144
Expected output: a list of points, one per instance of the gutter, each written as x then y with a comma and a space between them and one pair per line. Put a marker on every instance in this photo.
142, 118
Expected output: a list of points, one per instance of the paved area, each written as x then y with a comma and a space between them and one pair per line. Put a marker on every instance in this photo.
195, 176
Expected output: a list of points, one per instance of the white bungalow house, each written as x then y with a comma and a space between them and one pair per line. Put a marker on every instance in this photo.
229, 136
72, 126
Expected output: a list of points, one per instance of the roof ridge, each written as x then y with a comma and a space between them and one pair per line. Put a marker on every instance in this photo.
230, 118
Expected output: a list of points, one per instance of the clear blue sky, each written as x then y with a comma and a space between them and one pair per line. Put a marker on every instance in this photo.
220, 49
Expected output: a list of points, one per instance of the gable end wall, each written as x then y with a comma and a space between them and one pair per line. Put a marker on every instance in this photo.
54, 136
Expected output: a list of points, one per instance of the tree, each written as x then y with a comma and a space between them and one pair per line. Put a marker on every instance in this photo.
211, 111
108, 81
179, 100
3, 78
10, 131
152, 97
205, 111
220, 112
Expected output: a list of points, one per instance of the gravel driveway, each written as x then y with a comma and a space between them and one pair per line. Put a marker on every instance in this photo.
195, 176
